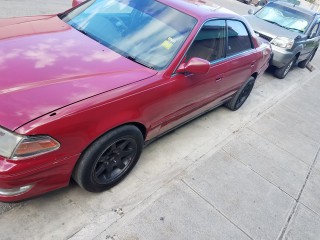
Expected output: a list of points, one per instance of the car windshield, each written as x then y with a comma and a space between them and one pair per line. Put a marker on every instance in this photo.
285, 17
147, 32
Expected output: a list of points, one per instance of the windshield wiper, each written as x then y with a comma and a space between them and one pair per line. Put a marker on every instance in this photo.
138, 61
290, 28
274, 23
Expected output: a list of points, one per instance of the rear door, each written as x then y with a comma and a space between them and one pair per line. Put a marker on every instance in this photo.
241, 57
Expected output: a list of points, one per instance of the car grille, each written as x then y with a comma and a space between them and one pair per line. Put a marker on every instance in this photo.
265, 37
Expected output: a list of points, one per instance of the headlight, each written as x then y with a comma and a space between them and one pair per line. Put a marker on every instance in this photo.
16, 147
283, 42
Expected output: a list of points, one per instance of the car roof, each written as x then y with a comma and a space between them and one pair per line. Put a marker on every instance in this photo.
296, 7
201, 9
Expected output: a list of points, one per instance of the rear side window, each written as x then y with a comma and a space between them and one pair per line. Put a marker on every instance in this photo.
239, 39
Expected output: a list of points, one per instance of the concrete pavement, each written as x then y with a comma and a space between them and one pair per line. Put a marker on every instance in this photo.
250, 174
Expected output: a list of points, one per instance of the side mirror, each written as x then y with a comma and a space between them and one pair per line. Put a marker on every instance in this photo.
77, 2
250, 11
195, 65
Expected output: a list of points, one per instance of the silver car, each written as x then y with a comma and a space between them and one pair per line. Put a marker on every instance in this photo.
292, 31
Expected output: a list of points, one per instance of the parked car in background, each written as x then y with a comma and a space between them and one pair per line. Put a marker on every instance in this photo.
292, 31
98, 82
246, 1
264, 2
260, 2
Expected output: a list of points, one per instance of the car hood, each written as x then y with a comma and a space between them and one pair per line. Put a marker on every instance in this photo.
269, 29
46, 65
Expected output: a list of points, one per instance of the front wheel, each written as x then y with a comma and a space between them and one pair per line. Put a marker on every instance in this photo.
241, 96
281, 73
109, 159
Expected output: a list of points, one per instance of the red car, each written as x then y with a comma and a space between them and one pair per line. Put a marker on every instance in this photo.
82, 92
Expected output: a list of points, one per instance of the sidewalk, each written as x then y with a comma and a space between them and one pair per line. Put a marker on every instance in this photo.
263, 184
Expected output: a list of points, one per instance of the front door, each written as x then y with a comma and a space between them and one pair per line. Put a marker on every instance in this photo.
194, 93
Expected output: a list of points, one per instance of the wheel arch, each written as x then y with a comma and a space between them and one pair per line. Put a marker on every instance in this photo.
254, 75
138, 125
297, 55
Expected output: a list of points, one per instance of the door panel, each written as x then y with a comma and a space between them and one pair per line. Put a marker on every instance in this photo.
239, 69
241, 57
194, 93
310, 43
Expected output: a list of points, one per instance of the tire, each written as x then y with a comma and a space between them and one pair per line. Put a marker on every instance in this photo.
281, 73
241, 95
304, 63
109, 159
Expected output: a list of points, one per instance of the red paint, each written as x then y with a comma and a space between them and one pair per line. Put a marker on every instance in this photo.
76, 2
195, 65
48, 67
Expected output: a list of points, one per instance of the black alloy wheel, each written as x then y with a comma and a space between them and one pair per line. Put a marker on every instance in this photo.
241, 96
114, 161
244, 94
109, 159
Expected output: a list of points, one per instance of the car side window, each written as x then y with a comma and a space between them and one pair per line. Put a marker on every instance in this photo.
315, 30
239, 39
209, 44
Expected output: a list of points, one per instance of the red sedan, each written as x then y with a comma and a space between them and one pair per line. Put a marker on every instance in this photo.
82, 92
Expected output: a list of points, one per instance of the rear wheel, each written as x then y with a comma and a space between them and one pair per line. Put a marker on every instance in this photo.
109, 159
241, 96
283, 72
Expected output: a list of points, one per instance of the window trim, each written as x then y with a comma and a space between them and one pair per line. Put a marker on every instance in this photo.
225, 40
249, 35
221, 59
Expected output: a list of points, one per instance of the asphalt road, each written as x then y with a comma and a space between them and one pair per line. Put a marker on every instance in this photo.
234, 5
16, 8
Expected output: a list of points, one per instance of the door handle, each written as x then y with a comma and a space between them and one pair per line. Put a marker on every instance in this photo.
252, 64
219, 78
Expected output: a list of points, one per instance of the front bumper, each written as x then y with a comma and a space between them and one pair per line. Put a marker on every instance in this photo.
281, 57
24, 179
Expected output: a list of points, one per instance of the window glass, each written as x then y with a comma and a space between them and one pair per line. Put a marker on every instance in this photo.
285, 17
147, 32
238, 38
209, 44
314, 30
